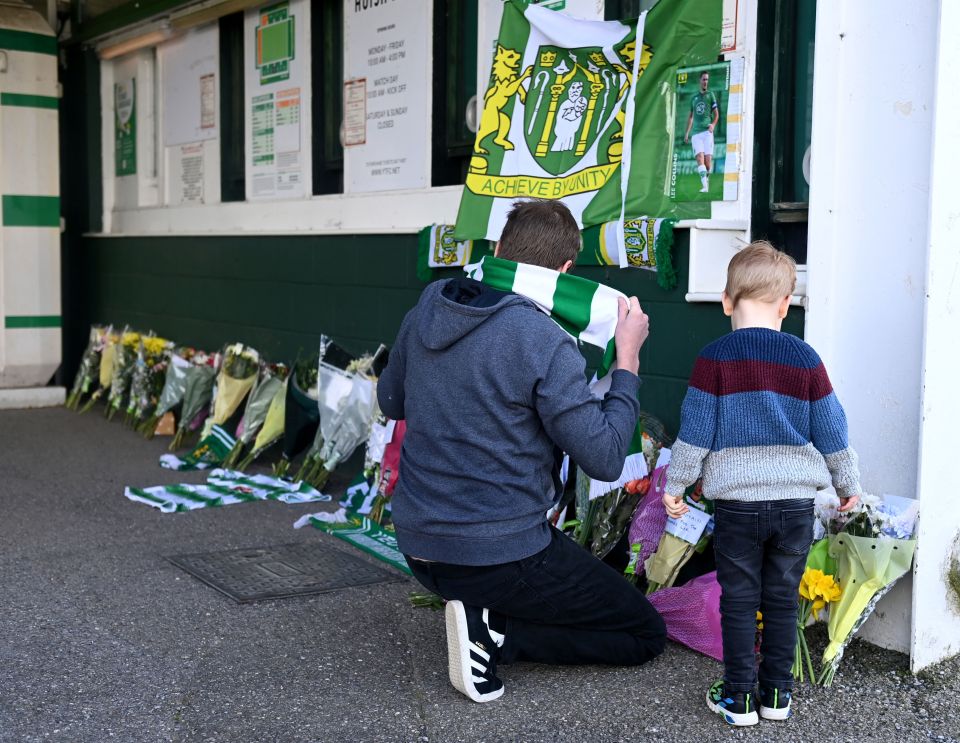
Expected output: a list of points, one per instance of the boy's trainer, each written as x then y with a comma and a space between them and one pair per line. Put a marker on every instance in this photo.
472, 652
737, 708
774, 703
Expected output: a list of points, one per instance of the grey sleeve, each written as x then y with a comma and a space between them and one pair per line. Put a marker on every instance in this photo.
595, 433
390, 395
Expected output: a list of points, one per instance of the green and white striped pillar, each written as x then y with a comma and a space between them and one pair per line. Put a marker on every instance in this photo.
29, 200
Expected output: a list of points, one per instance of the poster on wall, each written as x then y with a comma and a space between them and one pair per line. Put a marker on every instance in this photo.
125, 126
188, 74
187, 174
702, 167
728, 37
384, 48
277, 109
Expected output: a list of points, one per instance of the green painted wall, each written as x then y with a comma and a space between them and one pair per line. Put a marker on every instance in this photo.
280, 293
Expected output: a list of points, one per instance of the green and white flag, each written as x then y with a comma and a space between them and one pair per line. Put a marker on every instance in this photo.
648, 245
586, 310
554, 117
210, 452
223, 488
364, 534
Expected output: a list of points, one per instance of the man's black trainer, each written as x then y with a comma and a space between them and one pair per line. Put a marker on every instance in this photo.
472, 652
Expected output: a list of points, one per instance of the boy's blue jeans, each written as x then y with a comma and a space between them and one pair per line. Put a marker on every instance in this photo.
761, 550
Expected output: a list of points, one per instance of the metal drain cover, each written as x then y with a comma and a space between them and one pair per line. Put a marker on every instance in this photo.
299, 569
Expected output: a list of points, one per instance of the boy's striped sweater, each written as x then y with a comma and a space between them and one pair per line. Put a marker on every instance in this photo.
760, 421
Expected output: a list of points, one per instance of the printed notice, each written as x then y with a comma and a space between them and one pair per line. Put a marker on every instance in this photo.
728, 29
354, 112
208, 101
191, 173
277, 74
385, 50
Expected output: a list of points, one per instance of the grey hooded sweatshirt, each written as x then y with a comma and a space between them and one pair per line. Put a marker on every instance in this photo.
490, 387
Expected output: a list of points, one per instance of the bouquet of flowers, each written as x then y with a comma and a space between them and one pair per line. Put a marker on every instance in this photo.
149, 374
873, 546
197, 392
171, 394
269, 382
682, 538
306, 414
238, 373
110, 342
818, 588
271, 430
603, 517
347, 407
381, 466
124, 363
301, 415
89, 370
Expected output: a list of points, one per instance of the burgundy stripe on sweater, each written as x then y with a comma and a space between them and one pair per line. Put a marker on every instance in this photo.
730, 377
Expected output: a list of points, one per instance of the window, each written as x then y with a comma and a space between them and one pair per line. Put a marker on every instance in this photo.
232, 155
784, 105
327, 74
454, 86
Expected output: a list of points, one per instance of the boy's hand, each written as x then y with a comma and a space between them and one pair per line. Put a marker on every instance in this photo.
633, 327
675, 505
847, 504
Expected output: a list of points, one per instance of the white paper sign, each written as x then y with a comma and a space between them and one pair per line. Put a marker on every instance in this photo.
277, 109
188, 73
385, 44
690, 526
355, 112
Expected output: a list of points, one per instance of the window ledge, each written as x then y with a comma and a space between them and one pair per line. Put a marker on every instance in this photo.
381, 212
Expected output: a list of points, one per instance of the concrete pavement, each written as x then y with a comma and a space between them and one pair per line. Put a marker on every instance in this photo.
102, 639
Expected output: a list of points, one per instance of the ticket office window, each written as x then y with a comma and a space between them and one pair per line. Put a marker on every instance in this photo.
232, 152
454, 89
327, 100
784, 106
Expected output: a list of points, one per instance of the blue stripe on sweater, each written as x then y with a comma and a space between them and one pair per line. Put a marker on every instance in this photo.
763, 419
762, 344
828, 425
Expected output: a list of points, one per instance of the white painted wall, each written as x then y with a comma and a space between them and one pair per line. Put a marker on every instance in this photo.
869, 205
936, 613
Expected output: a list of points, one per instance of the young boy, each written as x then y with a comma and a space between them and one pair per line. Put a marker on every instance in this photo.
761, 424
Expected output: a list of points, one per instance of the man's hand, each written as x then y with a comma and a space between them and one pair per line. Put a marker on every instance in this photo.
686, 138
847, 504
710, 128
633, 327
675, 505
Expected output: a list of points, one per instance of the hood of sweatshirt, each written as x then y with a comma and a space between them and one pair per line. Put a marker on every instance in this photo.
450, 310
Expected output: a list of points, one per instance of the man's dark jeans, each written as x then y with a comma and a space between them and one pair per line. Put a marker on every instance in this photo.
562, 605
761, 551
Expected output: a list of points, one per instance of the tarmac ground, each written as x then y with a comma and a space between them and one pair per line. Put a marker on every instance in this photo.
101, 638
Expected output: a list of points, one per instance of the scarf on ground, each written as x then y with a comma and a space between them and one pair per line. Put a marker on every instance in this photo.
223, 488
211, 451
588, 311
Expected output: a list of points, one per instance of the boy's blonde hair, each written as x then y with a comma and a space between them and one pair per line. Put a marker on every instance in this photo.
760, 271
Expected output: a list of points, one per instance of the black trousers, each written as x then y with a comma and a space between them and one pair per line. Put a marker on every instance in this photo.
761, 551
562, 606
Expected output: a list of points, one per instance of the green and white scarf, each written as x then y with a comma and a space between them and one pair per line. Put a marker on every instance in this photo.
210, 452
223, 488
588, 311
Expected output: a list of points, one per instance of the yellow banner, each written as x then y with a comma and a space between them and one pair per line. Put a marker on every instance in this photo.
517, 186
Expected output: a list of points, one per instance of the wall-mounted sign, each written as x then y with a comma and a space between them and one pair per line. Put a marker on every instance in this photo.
278, 119
384, 46
355, 112
125, 126
728, 31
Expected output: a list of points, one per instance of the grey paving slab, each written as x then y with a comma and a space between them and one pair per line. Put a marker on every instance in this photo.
101, 638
